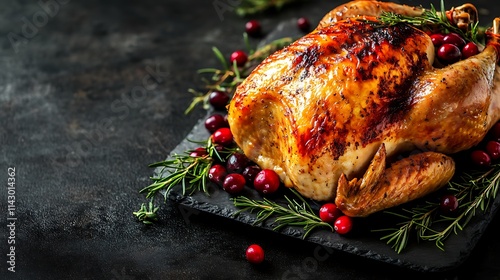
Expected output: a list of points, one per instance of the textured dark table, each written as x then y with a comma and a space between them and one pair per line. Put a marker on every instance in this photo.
91, 92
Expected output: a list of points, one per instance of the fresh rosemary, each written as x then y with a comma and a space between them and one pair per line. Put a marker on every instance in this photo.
431, 18
473, 191
294, 213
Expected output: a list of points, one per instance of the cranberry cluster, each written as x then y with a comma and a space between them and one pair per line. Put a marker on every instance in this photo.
451, 47
330, 213
489, 151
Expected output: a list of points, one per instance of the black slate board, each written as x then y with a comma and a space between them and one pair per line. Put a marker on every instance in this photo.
422, 257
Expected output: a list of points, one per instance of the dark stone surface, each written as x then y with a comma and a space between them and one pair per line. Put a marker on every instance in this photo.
93, 92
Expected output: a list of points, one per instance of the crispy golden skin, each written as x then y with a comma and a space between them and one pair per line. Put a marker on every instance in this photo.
318, 111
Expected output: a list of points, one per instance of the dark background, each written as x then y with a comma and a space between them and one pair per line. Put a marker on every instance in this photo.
92, 94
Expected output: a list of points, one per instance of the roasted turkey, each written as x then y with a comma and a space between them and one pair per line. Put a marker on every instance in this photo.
356, 112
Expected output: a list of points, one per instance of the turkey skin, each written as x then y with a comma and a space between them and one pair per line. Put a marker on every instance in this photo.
340, 112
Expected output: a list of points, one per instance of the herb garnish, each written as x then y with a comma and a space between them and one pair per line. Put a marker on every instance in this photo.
431, 18
473, 191
295, 213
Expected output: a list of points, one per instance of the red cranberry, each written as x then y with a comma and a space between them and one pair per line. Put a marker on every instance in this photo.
198, 152
233, 183
217, 173
266, 181
329, 212
218, 99
215, 122
480, 158
449, 203
449, 53
343, 225
250, 172
470, 49
437, 39
236, 163
454, 39
303, 24
240, 57
253, 28
255, 254
493, 149
223, 136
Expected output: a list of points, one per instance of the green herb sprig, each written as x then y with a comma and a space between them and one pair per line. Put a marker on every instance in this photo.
294, 213
431, 18
473, 191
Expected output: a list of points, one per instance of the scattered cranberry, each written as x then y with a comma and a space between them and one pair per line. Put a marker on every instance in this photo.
480, 158
217, 173
240, 57
255, 254
449, 203
218, 99
454, 39
233, 183
250, 172
215, 122
303, 24
266, 181
198, 152
493, 149
223, 136
449, 53
236, 163
329, 212
343, 225
437, 39
470, 49
253, 28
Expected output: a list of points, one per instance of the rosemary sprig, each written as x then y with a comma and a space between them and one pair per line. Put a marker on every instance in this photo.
185, 170
294, 213
230, 76
147, 215
431, 18
473, 192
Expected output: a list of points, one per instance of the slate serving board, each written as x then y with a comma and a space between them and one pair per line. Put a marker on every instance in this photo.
422, 257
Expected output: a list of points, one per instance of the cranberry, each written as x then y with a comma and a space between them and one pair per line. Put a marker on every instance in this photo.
470, 49
437, 39
236, 163
480, 158
223, 136
250, 172
233, 183
495, 132
343, 225
198, 152
454, 39
493, 149
329, 212
253, 28
215, 122
217, 173
240, 57
218, 99
449, 53
266, 181
449, 203
255, 254
303, 24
